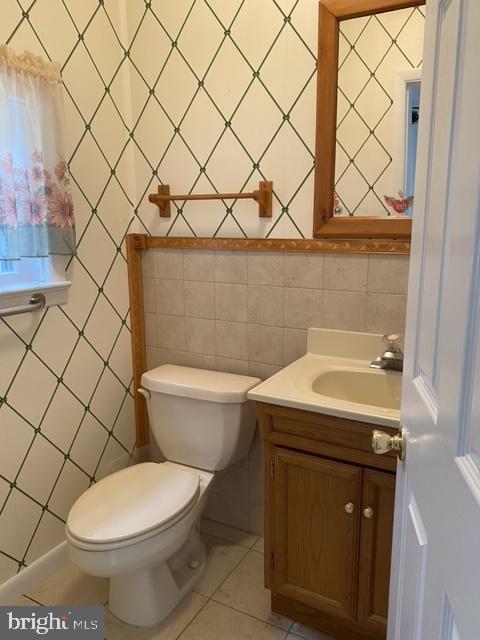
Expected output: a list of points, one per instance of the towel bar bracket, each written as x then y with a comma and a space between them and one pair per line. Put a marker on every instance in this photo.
263, 196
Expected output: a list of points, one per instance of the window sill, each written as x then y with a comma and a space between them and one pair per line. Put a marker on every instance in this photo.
17, 295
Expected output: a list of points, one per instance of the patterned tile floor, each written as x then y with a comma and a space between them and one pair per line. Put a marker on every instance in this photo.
229, 603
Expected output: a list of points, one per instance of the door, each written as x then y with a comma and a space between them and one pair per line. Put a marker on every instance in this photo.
436, 551
378, 498
315, 531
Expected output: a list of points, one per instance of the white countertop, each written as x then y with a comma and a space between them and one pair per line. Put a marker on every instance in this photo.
328, 351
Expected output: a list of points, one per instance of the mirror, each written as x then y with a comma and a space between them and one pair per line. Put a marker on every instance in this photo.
368, 113
378, 101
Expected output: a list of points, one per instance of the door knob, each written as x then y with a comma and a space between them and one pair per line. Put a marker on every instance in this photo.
383, 442
349, 507
368, 512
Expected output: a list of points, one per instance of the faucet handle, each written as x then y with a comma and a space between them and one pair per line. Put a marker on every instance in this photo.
393, 342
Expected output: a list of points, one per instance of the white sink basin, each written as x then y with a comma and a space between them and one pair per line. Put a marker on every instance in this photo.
334, 378
374, 388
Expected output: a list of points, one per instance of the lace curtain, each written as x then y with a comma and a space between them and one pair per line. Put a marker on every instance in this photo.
36, 209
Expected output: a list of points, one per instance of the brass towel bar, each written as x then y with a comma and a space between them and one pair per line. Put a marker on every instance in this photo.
262, 195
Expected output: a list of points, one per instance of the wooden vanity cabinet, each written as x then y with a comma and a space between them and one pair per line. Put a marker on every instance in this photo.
329, 521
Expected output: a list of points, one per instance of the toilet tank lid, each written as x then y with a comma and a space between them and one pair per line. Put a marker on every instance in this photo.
199, 384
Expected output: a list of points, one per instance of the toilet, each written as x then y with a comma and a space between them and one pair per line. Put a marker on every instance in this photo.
140, 526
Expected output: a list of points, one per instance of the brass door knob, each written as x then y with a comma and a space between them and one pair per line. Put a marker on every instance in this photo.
383, 442
368, 512
349, 507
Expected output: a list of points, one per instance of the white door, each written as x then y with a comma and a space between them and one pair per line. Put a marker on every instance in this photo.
435, 584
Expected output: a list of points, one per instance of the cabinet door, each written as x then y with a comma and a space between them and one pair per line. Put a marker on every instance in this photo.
314, 531
378, 496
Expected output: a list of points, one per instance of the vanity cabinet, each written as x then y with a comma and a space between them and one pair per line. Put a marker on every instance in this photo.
329, 520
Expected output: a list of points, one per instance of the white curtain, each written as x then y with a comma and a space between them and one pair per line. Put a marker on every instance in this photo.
36, 209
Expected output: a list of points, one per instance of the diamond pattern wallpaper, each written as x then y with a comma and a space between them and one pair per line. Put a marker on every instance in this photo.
203, 95
65, 374
224, 96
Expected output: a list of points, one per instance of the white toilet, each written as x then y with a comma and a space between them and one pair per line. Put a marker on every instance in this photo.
140, 526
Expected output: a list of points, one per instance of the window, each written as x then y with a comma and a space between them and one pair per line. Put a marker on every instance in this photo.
37, 226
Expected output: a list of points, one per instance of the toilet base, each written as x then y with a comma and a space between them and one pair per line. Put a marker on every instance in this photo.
146, 596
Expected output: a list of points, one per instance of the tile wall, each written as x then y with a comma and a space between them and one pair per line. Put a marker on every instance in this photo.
249, 313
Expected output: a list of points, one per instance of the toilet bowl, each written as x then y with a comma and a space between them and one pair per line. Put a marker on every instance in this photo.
140, 526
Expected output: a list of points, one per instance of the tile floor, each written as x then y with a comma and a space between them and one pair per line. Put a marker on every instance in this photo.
229, 603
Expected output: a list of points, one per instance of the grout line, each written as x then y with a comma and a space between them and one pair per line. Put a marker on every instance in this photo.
275, 626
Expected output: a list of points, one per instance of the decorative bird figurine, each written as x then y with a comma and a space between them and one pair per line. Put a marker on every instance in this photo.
337, 207
400, 205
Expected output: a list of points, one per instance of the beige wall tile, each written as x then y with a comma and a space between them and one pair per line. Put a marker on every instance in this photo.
231, 338
152, 358
168, 356
265, 344
304, 270
151, 329
149, 294
265, 268
171, 332
265, 305
198, 265
148, 263
344, 310
169, 296
231, 267
200, 361
303, 308
230, 365
256, 519
231, 302
168, 263
346, 272
199, 299
232, 482
225, 532
388, 274
200, 335
262, 370
224, 510
294, 344
386, 313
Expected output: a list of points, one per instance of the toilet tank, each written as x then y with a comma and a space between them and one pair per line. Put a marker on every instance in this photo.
200, 418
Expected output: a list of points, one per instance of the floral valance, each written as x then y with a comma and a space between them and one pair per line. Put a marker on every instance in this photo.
36, 209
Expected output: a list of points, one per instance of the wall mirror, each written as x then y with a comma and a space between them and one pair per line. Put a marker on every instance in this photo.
368, 110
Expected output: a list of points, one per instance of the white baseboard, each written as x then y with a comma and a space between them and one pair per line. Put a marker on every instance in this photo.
33, 575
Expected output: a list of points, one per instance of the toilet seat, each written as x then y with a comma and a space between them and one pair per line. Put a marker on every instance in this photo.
132, 505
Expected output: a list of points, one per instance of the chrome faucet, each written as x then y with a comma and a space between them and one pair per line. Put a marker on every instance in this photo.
392, 357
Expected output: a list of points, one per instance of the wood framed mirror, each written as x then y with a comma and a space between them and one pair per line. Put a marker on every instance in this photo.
375, 210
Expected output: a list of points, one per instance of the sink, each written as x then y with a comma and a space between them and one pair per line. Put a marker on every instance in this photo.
334, 378
375, 388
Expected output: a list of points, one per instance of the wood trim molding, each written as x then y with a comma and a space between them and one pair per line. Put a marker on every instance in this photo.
346, 9
135, 244
331, 12
353, 245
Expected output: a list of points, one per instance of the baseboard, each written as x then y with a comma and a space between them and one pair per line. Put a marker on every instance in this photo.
34, 574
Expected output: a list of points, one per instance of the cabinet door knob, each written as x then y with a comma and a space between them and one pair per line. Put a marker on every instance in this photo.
349, 507
368, 512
